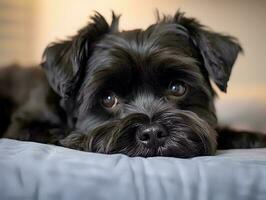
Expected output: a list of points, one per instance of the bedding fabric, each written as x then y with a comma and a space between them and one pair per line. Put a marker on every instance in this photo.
37, 171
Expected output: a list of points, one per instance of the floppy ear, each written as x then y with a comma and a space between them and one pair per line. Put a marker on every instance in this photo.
218, 51
64, 62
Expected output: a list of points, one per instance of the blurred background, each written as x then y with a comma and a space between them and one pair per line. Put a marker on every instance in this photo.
27, 26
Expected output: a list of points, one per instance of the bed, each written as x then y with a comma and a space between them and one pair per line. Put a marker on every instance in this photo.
38, 171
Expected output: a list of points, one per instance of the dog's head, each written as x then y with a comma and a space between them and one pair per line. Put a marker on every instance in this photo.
142, 92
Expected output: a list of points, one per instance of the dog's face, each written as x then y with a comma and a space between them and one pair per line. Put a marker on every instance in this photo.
142, 92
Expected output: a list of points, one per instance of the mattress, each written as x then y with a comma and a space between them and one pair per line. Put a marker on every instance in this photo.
38, 171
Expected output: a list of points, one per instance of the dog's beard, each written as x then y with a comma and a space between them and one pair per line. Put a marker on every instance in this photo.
189, 136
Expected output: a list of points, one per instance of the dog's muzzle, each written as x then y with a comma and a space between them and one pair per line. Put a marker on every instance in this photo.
169, 133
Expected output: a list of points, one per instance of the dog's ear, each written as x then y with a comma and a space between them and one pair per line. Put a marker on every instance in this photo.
64, 62
218, 51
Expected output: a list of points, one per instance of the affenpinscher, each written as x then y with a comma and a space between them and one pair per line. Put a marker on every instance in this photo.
139, 92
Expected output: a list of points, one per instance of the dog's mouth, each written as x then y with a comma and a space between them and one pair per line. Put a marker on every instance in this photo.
187, 136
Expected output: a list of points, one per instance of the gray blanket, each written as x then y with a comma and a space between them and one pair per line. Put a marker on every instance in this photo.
38, 171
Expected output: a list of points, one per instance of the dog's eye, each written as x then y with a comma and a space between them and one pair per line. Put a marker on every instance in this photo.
109, 100
177, 88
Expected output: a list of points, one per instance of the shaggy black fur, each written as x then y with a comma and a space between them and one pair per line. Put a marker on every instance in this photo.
139, 71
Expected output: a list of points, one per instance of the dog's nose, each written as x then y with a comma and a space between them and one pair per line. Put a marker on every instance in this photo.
152, 134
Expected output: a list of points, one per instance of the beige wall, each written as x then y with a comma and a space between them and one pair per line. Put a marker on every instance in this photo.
16, 31
245, 19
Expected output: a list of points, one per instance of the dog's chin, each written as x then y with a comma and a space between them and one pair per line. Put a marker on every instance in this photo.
189, 136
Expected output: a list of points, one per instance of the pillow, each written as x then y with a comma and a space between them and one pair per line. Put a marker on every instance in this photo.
38, 171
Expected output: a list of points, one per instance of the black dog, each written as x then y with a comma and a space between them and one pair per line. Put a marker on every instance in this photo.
140, 92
